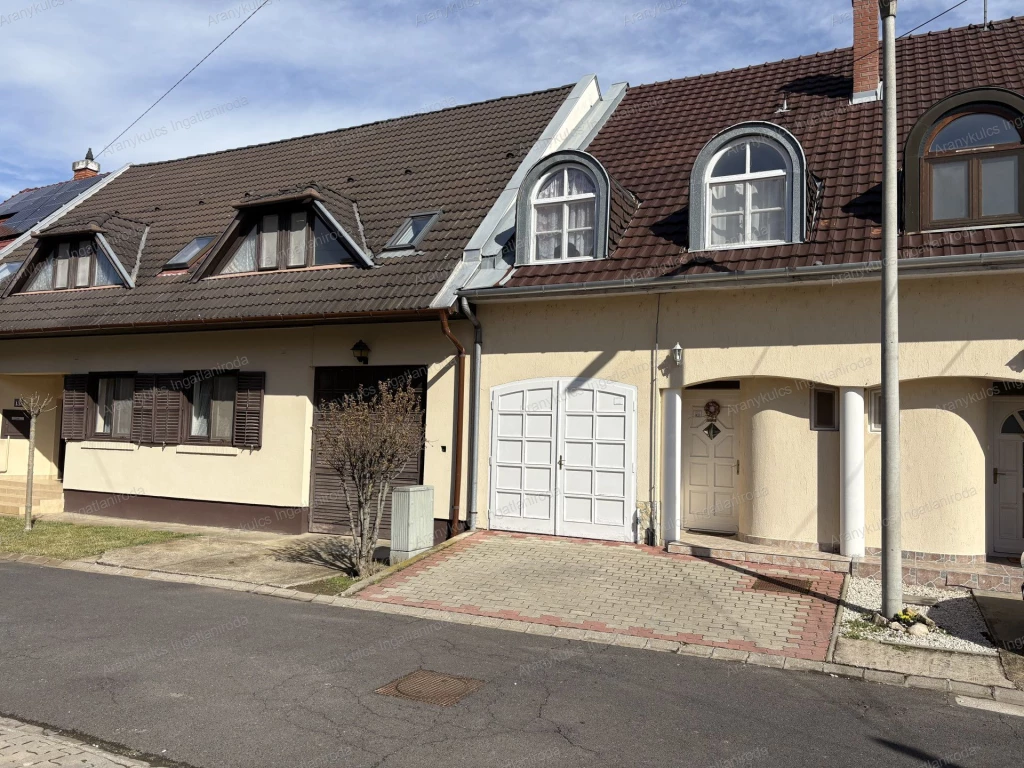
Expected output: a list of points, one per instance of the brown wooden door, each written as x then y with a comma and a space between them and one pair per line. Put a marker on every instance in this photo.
329, 508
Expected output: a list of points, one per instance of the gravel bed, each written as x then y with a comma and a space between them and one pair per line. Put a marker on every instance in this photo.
959, 623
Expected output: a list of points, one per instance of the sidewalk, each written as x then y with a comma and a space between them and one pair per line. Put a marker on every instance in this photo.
29, 745
254, 557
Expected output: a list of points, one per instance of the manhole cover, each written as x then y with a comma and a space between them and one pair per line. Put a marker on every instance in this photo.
780, 584
431, 687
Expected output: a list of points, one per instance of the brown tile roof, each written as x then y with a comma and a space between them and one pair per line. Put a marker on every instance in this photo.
654, 137
457, 160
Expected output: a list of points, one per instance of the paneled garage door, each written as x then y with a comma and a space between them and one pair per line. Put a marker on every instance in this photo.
563, 458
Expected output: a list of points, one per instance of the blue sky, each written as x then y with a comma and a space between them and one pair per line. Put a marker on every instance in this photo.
77, 72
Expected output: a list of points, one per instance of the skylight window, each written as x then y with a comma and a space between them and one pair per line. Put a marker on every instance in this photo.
184, 257
8, 269
413, 230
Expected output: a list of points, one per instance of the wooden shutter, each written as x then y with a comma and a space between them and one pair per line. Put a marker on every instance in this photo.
248, 432
167, 407
76, 406
142, 408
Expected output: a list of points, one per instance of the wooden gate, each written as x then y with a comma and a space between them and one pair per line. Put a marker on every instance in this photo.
329, 506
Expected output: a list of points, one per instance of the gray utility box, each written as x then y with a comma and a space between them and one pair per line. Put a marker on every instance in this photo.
412, 521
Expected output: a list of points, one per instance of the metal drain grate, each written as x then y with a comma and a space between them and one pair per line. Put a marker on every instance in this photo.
780, 584
431, 687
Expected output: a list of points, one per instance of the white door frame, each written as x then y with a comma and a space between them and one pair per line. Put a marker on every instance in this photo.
562, 386
1000, 408
691, 397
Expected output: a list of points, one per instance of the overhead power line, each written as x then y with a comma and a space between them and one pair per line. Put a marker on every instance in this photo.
183, 77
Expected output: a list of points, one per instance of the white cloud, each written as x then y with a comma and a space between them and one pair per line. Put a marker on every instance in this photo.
79, 71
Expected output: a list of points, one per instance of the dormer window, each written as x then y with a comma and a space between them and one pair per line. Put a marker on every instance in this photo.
565, 214
971, 170
277, 241
71, 264
747, 192
748, 189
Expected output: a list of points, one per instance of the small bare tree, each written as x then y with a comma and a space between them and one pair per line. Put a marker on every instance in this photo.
368, 439
34, 405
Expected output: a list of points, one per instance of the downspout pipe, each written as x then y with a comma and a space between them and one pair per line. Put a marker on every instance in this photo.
473, 477
460, 425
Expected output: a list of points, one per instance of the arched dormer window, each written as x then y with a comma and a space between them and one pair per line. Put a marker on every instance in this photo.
963, 162
747, 189
563, 209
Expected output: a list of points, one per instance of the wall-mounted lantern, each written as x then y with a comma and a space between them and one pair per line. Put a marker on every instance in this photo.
677, 354
361, 352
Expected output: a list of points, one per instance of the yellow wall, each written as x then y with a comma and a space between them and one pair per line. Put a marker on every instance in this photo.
957, 335
14, 452
279, 473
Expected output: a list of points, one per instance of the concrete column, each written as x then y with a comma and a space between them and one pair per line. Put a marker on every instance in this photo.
673, 485
851, 470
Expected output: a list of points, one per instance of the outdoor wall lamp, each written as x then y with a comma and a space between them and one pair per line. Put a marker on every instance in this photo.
361, 352
677, 354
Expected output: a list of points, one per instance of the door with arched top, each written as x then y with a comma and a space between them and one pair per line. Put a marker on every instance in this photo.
1008, 478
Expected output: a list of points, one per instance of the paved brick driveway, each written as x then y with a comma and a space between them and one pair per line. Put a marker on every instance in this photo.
623, 589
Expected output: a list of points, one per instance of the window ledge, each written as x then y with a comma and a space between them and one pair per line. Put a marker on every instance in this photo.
209, 450
108, 445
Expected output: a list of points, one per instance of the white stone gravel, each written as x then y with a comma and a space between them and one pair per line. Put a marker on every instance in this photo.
960, 626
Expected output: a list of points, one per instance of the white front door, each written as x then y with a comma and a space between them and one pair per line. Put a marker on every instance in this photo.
563, 457
1007, 504
711, 492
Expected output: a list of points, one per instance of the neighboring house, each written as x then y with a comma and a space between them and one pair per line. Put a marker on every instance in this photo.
193, 314
686, 323
19, 216
38, 206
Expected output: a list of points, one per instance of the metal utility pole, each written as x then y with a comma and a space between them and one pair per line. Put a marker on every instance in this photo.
892, 555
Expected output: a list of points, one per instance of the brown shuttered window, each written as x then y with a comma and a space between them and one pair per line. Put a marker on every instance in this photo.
249, 410
142, 408
76, 406
167, 405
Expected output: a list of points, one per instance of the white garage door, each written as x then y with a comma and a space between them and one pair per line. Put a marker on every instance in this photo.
563, 458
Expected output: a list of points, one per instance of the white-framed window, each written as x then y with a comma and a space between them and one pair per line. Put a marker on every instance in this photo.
748, 193
564, 216
875, 410
824, 408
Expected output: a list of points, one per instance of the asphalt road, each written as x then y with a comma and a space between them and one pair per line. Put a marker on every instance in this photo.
212, 678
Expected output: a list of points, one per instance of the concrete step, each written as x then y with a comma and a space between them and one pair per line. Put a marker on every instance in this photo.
40, 507
724, 548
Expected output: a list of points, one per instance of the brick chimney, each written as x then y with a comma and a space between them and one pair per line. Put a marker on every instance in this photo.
866, 51
86, 169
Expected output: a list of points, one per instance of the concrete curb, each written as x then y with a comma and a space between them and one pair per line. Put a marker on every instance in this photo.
837, 622
758, 659
391, 570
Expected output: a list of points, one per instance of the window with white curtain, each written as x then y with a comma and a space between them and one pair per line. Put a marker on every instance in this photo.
565, 213
213, 408
748, 189
72, 264
289, 240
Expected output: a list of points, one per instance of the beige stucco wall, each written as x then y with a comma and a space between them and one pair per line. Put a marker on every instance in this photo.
279, 473
14, 452
943, 441
957, 334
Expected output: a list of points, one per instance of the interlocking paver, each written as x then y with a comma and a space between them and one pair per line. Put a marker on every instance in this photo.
28, 745
619, 588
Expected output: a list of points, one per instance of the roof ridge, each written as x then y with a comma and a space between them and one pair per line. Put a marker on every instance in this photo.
823, 54
354, 127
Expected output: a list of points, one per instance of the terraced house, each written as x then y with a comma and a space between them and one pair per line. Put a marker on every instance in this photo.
190, 316
684, 337
665, 302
